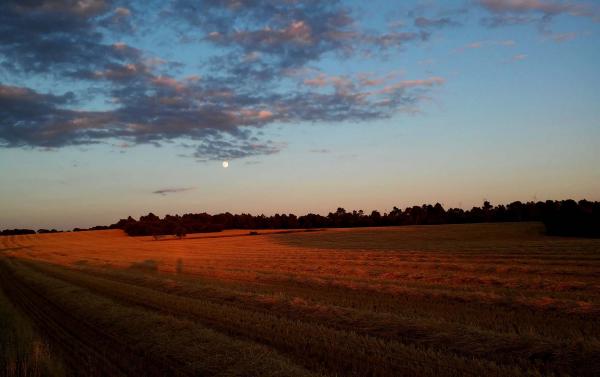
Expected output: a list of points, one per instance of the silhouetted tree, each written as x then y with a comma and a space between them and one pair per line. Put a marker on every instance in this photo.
561, 218
180, 232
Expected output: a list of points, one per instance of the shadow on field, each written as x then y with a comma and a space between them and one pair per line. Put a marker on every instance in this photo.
148, 265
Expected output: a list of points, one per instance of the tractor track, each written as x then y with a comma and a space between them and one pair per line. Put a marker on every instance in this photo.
86, 350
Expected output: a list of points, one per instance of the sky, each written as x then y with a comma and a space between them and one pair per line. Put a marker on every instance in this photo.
118, 108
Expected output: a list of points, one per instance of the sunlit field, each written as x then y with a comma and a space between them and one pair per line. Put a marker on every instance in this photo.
481, 300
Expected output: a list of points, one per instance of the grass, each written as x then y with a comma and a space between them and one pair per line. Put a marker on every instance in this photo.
481, 299
22, 351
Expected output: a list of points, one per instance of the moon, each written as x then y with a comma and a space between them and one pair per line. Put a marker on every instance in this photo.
225, 164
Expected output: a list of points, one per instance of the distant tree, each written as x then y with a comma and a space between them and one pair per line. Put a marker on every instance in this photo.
487, 206
180, 232
375, 218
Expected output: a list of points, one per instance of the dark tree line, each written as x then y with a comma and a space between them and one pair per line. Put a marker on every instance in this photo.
567, 217
563, 218
152, 225
15, 232
43, 231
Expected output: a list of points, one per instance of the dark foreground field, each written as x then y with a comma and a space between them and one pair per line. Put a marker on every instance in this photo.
448, 300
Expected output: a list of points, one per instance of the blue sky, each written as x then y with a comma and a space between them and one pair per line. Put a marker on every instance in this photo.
127, 108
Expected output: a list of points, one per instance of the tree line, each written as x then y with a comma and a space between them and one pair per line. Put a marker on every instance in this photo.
567, 218
564, 218
15, 232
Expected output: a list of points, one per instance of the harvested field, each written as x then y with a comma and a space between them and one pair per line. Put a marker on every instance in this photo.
479, 299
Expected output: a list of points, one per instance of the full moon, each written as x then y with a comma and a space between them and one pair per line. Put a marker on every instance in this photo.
225, 164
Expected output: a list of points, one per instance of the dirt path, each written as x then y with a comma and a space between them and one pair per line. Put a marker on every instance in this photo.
85, 349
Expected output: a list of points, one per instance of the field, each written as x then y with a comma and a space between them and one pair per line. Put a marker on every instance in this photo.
447, 300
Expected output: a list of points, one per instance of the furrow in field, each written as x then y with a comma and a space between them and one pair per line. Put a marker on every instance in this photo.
488, 294
514, 318
421, 301
85, 349
187, 347
317, 346
433, 268
408, 295
524, 351
446, 336
560, 283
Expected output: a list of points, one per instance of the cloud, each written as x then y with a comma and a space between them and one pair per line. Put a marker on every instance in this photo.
31, 118
390, 40
322, 80
174, 190
563, 37
214, 112
122, 145
213, 115
123, 95
548, 7
55, 36
122, 12
321, 151
424, 22
541, 12
290, 32
271, 36
229, 149
519, 57
406, 84
481, 44
507, 20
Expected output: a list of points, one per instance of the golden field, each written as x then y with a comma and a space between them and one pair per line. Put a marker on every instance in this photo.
493, 299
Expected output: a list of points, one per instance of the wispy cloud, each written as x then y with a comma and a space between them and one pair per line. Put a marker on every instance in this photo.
173, 190
481, 44
424, 22
540, 12
520, 6
563, 37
